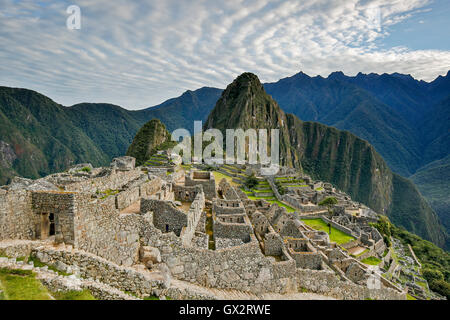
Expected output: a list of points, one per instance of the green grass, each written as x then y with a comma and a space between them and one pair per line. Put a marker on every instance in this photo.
295, 185
219, 176
21, 285
73, 295
410, 297
38, 263
108, 193
273, 200
373, 261
336, 235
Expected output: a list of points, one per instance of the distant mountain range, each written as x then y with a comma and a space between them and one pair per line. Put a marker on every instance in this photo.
328, 154
407, 121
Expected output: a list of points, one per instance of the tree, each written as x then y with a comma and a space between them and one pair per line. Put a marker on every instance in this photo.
329, 202
251, 181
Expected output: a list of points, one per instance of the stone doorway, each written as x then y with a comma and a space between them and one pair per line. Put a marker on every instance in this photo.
47, 225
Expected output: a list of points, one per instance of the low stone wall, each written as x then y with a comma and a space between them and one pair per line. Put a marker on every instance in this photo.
127, 197
93, 267
189, 194
17, 248
339, 227
232, 230
228, 207
326, 282
113, 180
274, 188
297, 204
150, 187
350, 244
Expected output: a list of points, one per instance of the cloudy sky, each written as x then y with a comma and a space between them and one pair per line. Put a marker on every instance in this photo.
139, 53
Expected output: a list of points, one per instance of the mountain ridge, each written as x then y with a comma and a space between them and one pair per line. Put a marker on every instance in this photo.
329, 154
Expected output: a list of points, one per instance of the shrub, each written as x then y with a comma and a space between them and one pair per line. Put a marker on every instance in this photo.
432, 274
441, 287
251, 181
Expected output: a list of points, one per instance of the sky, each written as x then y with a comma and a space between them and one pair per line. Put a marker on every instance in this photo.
137, 54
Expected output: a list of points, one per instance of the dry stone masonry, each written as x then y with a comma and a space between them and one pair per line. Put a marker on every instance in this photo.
125, 229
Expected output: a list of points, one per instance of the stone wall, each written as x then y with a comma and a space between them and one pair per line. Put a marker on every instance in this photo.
221, 206
166, 216
327, 282
90, 266
112, 180
243, 267
273, 244
205, 179
62, 205
227, 190
16, 218
232, 230
194, 215
101, 230
127, 197
188, 194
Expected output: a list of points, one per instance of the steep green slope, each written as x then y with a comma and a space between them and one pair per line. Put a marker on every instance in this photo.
410, 210
110, 127
328, 154
343, 159
41, 134
151, 136
433, 182
435, 131
244, 104
341, 103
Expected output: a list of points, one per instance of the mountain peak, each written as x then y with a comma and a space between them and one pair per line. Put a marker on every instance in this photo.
147, 140
336, 75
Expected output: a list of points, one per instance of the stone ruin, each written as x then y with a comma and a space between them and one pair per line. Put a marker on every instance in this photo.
162, 227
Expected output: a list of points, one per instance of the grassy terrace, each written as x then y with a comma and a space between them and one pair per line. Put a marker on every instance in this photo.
373, 261
219, 176
273, 200
23, 285
335, 236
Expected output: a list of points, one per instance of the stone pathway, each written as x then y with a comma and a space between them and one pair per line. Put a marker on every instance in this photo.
228, 294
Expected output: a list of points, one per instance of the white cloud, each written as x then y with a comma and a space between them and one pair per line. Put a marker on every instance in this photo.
137, 54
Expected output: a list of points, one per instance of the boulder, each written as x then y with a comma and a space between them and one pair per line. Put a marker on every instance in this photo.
149, 256
19, 183
125, 163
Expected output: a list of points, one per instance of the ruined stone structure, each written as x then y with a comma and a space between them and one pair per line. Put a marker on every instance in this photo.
203, 178
134, 231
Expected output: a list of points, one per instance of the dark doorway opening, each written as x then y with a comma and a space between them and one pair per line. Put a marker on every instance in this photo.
51, 217
167, 228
